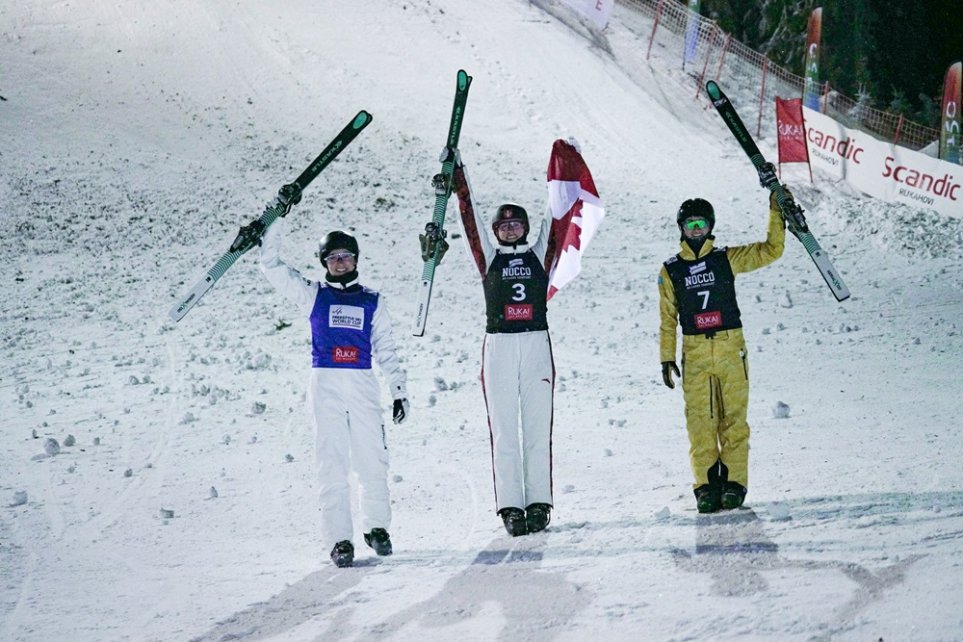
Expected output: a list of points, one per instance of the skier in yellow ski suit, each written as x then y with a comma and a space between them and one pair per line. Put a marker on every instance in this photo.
697, 291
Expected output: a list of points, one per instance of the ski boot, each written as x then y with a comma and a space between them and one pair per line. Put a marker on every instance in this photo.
708, 498
379, 540
343, 554
733, 495
537, 517
514, 520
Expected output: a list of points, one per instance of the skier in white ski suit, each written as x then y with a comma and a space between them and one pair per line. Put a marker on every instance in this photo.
350, 324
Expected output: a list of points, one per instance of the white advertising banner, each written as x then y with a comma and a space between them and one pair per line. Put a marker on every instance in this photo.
883, 170
598, 11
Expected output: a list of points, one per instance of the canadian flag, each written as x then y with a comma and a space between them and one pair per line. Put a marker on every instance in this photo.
576, 210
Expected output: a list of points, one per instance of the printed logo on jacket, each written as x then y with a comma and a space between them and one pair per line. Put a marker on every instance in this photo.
346, 316
519, 312
345, 354
516, 270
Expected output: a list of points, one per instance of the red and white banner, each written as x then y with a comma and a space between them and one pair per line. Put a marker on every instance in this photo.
791, 130
883, 170
576, 210
598, 11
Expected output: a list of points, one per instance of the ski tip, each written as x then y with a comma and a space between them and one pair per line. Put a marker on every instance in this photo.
464, 80
712, 87
362, 120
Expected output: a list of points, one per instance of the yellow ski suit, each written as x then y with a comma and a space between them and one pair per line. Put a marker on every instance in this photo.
715, 368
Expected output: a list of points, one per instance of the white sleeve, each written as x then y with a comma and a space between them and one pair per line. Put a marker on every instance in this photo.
383, 347
285, 279
541, 243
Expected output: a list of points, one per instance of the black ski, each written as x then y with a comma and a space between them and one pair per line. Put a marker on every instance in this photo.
288, 195
434, 231
791, 212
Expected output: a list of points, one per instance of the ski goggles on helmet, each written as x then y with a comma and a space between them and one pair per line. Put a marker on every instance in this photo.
695, 224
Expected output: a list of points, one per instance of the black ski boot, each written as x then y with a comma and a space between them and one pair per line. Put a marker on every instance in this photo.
733, 494
379, 540
343, 554
514, 520
537, 517
708, 498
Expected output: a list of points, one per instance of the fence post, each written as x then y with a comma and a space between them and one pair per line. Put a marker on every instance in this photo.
722, 57
899, 126
762, 95
825, 100
655, 26
702, 77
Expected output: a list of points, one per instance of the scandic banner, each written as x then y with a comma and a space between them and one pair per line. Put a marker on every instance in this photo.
792, 132
883, 170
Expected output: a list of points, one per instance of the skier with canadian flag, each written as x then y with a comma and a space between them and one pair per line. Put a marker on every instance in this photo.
520, 276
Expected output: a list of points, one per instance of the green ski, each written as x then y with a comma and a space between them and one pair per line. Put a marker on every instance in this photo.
249, 235
791, 212
435, 230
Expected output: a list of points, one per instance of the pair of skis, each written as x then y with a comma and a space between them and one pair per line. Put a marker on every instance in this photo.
288, 196
435, 231
791, 212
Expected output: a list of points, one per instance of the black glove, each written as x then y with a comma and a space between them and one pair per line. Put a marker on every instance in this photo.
667, 368
773, 203
400, 411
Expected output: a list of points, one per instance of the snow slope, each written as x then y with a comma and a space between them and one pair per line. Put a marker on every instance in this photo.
138, 136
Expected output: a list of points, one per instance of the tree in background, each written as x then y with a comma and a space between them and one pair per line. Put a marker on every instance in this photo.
891, 54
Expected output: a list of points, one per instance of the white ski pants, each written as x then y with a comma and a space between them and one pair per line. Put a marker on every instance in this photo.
518, 379
349, 428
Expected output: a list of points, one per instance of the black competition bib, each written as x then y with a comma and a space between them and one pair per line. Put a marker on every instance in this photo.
705, 293
516, 290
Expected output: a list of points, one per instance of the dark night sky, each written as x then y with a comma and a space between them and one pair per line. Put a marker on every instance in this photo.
919, 48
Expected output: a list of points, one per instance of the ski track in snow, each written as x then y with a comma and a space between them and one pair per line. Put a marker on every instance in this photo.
138, 139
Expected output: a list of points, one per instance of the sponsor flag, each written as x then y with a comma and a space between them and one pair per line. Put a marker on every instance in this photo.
810, 95
691, 33
950, 132
576, 210
598, 11
791, 132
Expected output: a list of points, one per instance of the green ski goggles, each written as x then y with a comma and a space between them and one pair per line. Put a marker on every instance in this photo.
696, 224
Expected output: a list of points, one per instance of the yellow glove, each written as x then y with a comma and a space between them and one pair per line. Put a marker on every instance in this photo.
773, 203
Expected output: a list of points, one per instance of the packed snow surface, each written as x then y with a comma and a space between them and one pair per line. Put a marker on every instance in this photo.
156, 479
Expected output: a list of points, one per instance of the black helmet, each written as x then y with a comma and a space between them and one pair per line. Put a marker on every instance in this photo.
696, 207
335, 240
510, 212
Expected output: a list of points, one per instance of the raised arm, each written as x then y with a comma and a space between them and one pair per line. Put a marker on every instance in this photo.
285, 279
745, 258
480, 248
